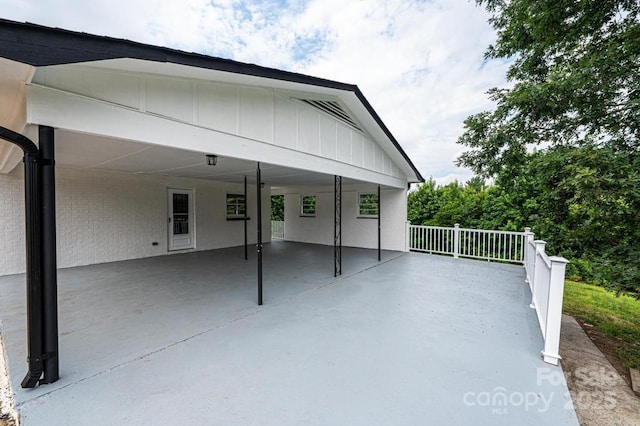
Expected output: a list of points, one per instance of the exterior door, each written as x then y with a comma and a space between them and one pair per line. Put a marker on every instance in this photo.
181, 224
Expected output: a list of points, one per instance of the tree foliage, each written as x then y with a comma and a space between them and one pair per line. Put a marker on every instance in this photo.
277, 207
471, 205
575, 77
584, 202
574, 91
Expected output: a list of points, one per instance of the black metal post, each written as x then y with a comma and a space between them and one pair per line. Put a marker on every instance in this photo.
259, 221
246, 244
33, 184
49, 264
379, 226
337, 226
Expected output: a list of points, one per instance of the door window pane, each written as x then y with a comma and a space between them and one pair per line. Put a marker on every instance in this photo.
180, 224
181, 203
180, 214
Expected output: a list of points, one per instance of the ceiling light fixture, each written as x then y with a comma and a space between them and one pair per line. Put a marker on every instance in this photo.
212, 160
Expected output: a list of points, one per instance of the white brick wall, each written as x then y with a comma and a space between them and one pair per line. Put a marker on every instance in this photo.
105, 217
12, 248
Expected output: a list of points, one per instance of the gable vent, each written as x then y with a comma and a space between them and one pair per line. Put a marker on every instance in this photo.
334, 109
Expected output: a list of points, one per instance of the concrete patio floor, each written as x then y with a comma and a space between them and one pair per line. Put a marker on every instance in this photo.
415, 339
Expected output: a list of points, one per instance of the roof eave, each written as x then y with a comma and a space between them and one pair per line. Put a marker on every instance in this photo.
55, 46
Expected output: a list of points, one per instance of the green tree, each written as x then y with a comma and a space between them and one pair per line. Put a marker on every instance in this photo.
423, 203
277, 207
574, 87
502, 210
447, 205
588, 204
452, 206
575, 77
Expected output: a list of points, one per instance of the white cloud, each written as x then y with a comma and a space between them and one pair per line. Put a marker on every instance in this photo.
420, 63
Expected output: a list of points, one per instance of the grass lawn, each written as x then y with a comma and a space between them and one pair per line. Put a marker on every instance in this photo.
617, 317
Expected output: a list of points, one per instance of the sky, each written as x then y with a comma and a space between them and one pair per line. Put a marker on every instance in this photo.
419, 63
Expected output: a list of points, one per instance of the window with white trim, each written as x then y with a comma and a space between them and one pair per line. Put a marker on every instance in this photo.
308, 205
367, 204
235, 206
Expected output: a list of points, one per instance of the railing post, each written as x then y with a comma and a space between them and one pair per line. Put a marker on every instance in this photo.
539, 248
528, 236
554, 310
456, 240
407, 238
529, 260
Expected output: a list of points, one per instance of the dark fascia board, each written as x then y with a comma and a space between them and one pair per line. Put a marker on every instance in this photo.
387, 132
39, 46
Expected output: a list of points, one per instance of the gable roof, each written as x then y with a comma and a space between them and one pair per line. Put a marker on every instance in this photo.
39, 46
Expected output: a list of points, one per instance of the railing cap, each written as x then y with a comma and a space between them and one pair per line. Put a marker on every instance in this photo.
558, 259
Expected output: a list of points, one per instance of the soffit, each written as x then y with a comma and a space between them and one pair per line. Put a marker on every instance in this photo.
92, 152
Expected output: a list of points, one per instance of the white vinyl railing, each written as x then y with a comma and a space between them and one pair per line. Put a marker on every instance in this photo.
543, 273
431, 239
277, 230
505, 246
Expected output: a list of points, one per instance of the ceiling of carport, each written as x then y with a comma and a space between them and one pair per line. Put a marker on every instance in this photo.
93, 152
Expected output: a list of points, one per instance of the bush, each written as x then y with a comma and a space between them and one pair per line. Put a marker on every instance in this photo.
580, 270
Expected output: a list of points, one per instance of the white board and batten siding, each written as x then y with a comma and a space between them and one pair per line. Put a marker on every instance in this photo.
254, 113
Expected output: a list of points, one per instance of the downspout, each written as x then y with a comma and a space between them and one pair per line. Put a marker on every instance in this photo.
33, 231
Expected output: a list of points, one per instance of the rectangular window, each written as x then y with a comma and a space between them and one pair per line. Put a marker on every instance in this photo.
235, 205
308, 205
368, 205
